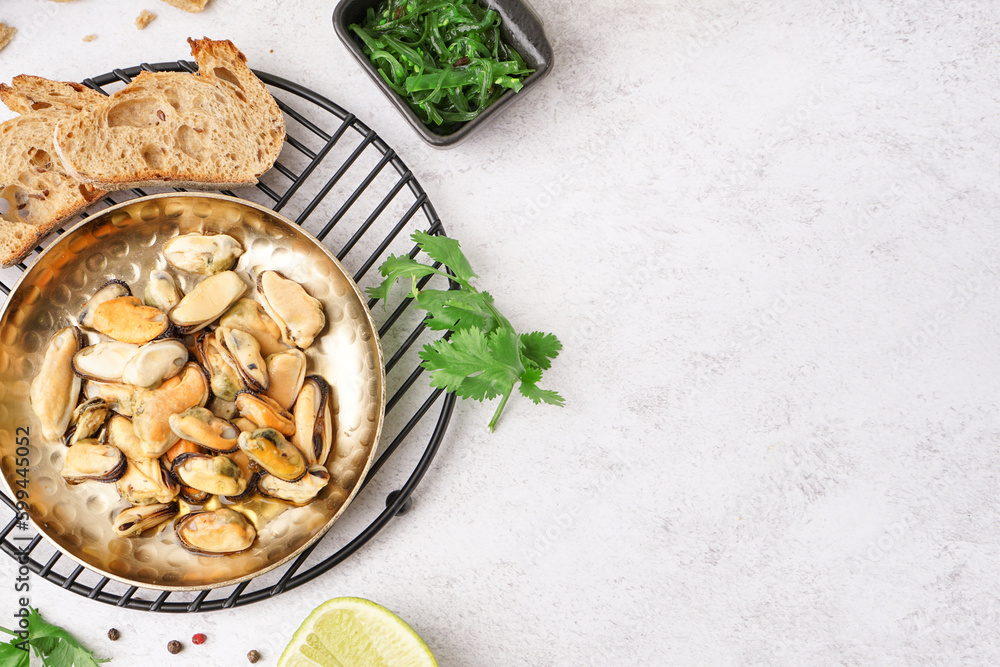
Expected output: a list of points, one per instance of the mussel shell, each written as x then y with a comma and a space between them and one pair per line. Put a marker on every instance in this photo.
242, 351
87, 419
155, 362
207, 301
55, 390
217, 475
161, 290
300, 492
203, 428
286, 371
215, 532
89, 460
104, 362
109, 290
225, 380
268, 448
313, 420
128, 320
264, 412
299, 316
133, 521
202, 253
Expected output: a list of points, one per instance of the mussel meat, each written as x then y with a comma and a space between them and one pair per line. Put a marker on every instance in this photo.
109, 290
268, 448
161, 291
155, 362
146, 482
264, 412
89, 460
87, 419
153, 407
215, 532
242, 351
203, 428
202, 253
104, 362
300, 492
133, 521
209, 299
286, 371
248, 315
54, 391
299, 316
217, 475
128, 320
313, 420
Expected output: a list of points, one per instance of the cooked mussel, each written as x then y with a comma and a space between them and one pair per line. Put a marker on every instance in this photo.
104, 362
248, 315
299, 492
192, 496
202, 427
54, 391
217, 475
87, 419
225, 380
153, 407
209, 299
264, 412
215, 532
242, 351
202, 253
146, 482
161, 291
268, 448
118, 396
155, 362
250, 472
286, 371
299, 316
121, 435
134, 521
109, 290
313, 420
90, 461
128, 320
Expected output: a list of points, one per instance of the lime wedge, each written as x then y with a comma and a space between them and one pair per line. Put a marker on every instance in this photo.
354, 632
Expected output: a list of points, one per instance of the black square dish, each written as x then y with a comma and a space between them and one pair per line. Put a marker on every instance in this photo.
520, 28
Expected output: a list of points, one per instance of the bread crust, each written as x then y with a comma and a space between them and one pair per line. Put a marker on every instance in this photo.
220, 128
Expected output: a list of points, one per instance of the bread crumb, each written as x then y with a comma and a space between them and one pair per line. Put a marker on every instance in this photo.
88, 38
192, 6
6, 34
144, 19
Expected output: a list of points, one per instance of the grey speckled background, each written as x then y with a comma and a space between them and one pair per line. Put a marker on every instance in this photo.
767, 233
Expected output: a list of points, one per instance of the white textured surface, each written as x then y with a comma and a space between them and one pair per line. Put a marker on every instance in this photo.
767, 234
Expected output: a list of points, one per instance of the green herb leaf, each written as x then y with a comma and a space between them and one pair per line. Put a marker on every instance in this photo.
483, 357
55, 646
540, 348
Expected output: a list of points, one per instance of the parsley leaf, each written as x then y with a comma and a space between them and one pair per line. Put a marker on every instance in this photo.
482, 358
55, 646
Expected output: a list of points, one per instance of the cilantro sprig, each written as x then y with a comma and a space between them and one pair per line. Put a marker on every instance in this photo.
55, 646
481, 357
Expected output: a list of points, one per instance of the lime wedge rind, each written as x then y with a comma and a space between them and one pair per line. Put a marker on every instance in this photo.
355, 632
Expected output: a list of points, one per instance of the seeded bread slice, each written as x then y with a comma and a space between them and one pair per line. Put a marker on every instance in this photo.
36, 193
217, 129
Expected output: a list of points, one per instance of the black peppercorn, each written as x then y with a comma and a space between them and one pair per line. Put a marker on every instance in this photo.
174, 646
113, 634
253, 656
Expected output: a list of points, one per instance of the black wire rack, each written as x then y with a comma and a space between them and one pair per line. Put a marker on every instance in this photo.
332, 178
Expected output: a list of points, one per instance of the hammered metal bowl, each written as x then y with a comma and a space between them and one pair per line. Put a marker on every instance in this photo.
125, 242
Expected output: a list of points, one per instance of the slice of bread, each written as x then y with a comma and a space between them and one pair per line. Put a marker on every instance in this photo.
192, 6
36, 193
6, 34
217, 129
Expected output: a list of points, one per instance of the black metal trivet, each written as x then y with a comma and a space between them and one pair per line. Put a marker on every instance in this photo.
331, 178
